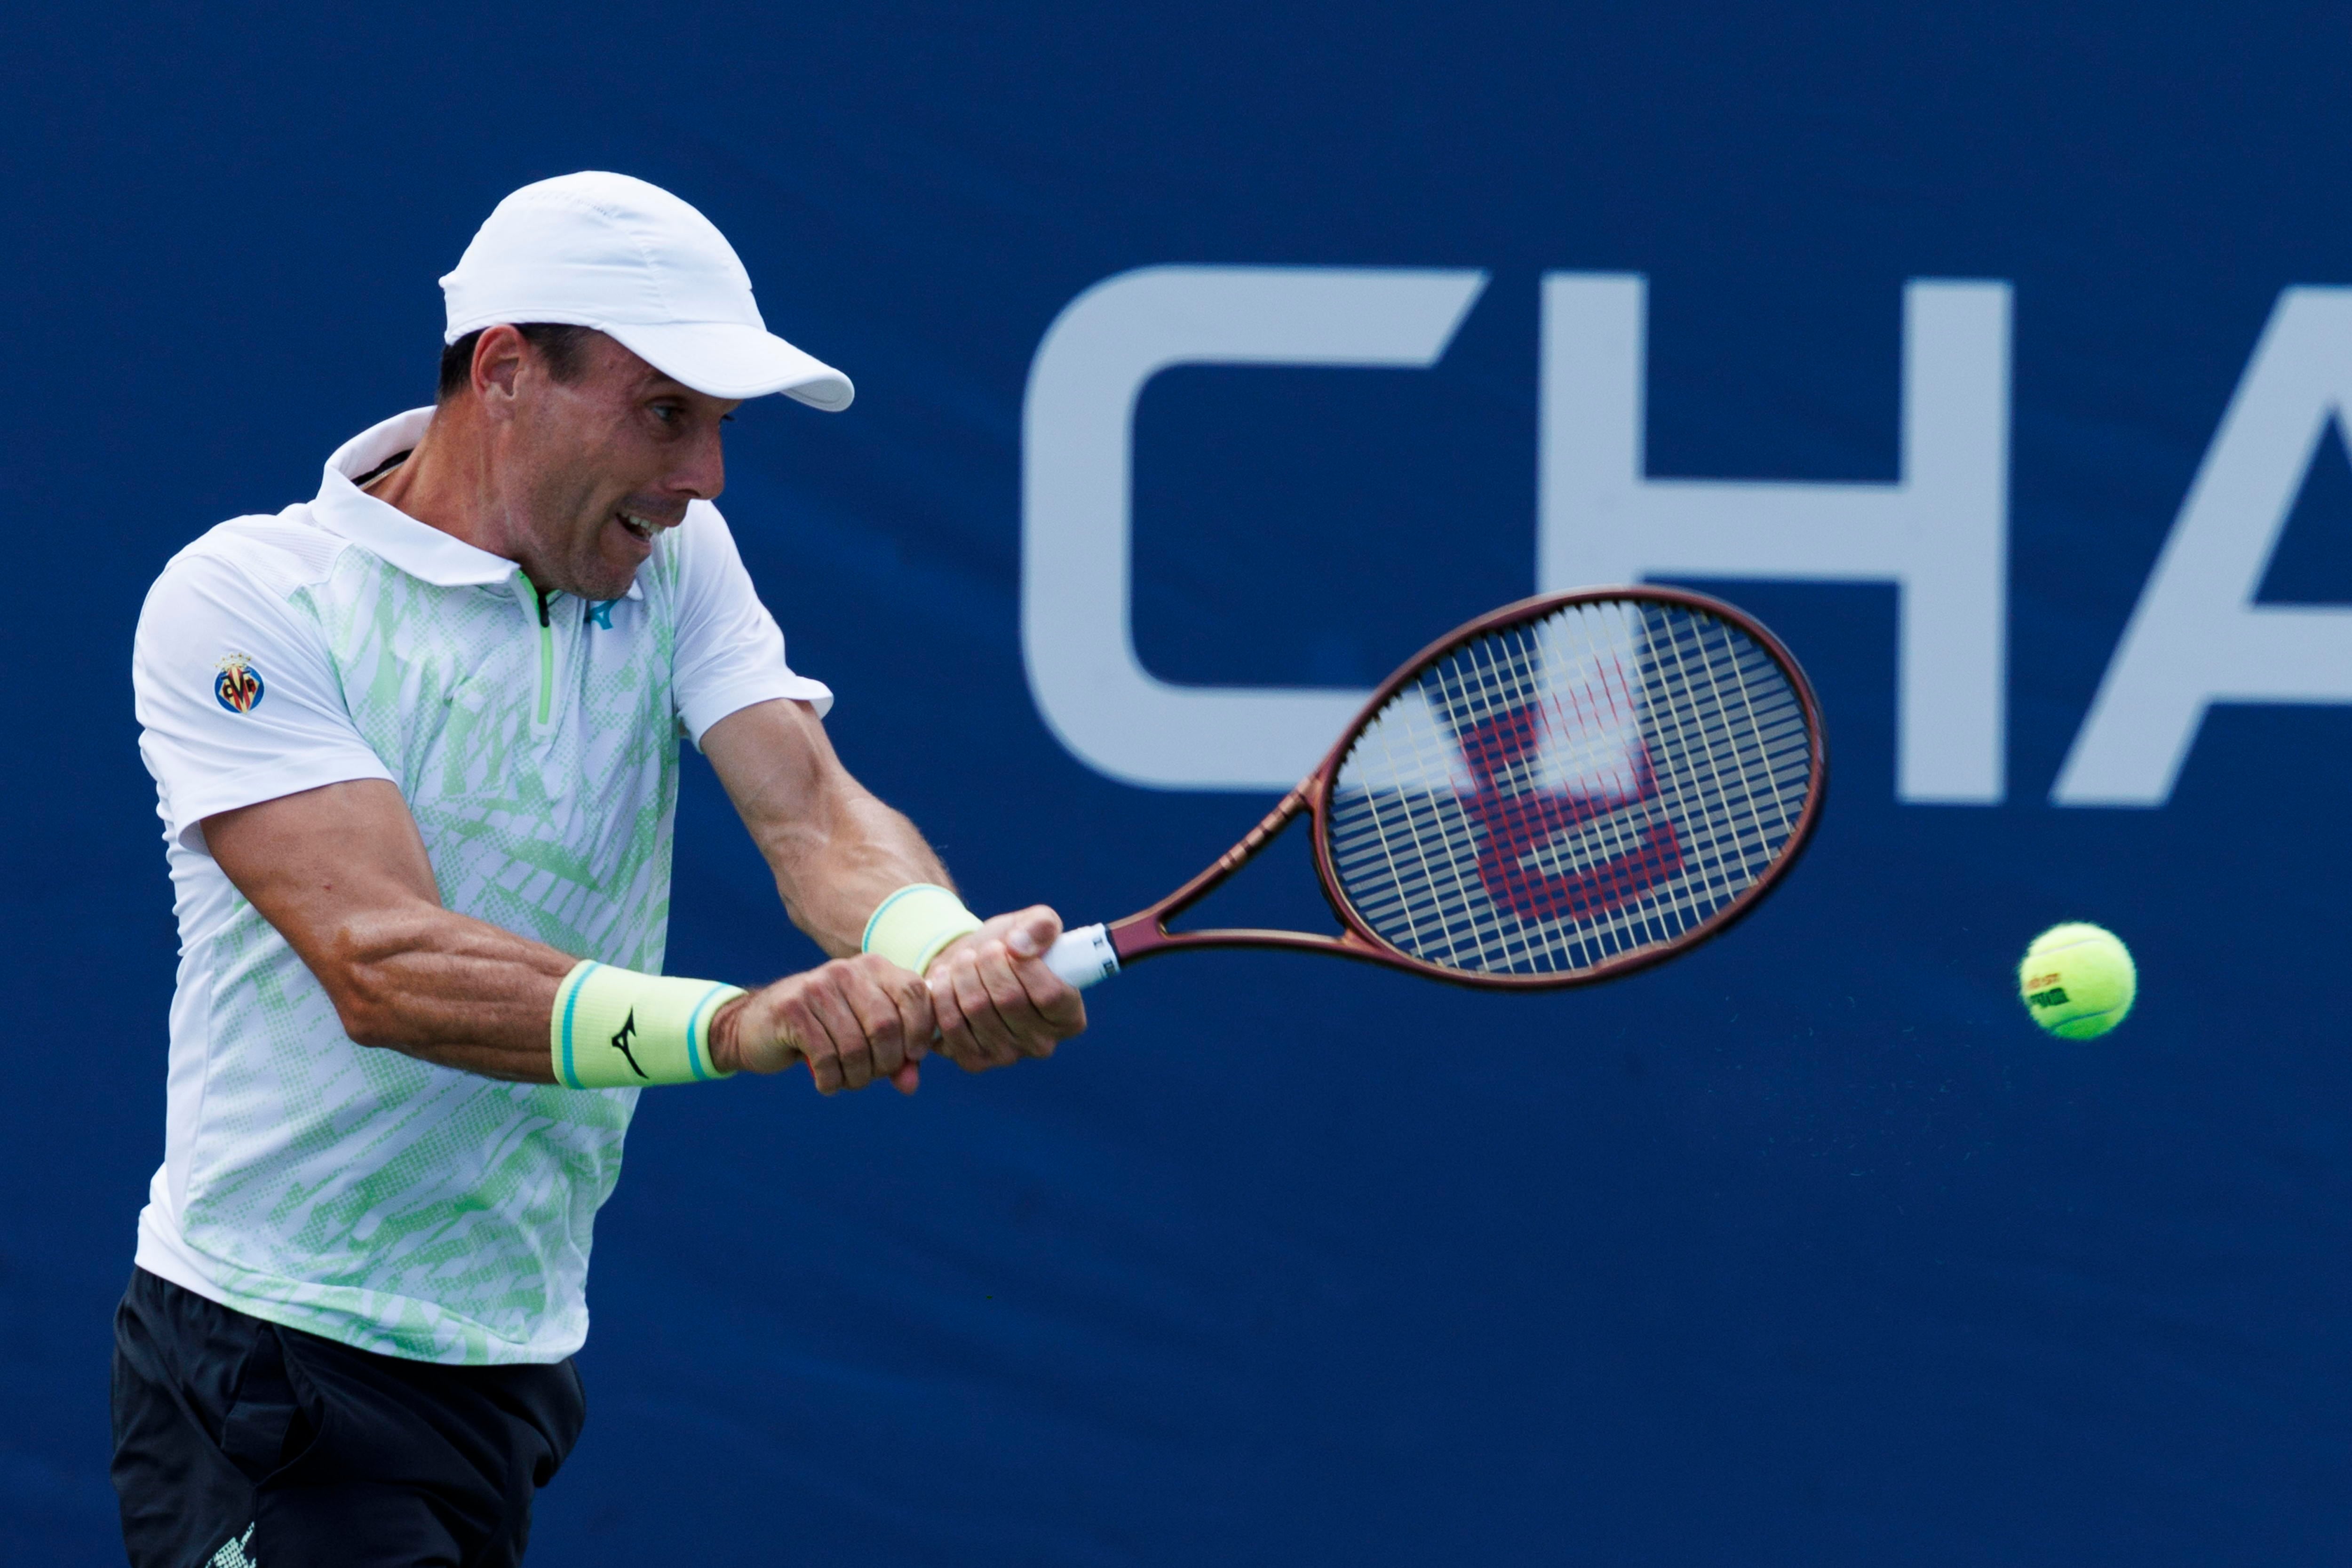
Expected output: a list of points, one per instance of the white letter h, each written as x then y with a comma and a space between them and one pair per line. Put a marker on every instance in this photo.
1939, 532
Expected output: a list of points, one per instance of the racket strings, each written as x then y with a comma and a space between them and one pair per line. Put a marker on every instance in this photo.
1555, 794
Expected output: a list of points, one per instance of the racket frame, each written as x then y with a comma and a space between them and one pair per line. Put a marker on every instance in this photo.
1145, 934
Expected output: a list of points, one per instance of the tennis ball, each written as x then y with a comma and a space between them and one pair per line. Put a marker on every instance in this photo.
2077, 981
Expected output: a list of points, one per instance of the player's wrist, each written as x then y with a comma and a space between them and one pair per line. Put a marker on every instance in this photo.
917, 923
727, 1035
616, 1028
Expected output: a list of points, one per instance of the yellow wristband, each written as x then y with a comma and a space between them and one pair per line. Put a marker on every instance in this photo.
910, 926
615, 1028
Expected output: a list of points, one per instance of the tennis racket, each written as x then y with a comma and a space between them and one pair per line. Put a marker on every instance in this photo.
1566, 790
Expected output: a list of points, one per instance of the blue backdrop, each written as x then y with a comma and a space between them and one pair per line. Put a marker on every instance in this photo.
1809, 1248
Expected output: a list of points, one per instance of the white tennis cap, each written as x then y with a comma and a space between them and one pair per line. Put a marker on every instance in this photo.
639, 265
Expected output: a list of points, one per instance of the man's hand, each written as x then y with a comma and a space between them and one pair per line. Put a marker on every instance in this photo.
995, 1000
852, 1021
837, 853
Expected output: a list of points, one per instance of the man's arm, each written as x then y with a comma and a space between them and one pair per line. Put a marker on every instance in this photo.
343, 873
837, 852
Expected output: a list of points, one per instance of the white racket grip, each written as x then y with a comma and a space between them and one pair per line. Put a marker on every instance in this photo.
1083, 956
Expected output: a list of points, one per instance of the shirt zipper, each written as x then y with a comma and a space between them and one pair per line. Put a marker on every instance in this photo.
546, 651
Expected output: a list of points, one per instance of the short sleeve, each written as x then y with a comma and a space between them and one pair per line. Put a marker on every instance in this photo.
237, 700
729, 652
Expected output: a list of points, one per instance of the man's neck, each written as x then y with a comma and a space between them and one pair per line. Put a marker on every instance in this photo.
444, 483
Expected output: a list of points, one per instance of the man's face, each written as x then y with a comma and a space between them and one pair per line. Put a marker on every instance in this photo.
595, 468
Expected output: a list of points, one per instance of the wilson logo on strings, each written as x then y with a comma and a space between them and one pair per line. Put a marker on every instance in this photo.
1530, 862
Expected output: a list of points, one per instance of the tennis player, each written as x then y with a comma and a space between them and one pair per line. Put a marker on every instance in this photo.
415, 749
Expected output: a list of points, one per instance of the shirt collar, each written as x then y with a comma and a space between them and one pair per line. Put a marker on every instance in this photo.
419, 549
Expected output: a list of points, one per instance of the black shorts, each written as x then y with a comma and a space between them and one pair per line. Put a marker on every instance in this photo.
239, 1441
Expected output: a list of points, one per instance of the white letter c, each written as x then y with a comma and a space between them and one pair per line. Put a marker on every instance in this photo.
1077, 425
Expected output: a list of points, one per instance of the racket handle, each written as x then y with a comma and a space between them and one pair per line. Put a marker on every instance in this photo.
1082, 957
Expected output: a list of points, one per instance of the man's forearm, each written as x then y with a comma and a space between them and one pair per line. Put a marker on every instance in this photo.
835, 852
341, 872
830, 885
454, 990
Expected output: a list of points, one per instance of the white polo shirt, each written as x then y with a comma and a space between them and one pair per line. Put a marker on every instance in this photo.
361, 1194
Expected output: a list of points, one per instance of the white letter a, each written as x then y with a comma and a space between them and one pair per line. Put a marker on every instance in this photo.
2198, 638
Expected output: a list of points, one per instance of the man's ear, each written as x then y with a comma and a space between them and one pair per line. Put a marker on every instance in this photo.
498, 367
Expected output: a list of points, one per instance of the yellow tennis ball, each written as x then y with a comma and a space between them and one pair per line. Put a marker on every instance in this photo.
2077, 981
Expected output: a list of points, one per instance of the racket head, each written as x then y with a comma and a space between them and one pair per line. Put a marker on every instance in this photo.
1570, 788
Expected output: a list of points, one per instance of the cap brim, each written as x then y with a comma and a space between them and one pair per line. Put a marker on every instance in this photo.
724, 359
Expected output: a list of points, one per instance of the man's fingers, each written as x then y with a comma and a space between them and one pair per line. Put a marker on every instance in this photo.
864, 987
799, 1022
912, 998
991, 1041
1060, 1006
1033, 932
1054, 1011
1025, 1027
995, 1000
853, 1021
947, 1014
955, 1026
850, 1047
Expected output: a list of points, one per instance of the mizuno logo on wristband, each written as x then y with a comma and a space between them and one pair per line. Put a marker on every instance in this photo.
623, 1036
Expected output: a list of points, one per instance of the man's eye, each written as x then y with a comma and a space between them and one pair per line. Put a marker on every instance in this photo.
665, 412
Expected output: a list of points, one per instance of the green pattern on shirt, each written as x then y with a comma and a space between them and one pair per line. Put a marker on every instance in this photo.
438, 1215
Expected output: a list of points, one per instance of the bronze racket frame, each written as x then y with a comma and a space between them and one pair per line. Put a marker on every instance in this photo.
1145, 934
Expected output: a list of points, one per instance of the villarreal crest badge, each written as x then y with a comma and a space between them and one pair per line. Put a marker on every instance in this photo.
238, 687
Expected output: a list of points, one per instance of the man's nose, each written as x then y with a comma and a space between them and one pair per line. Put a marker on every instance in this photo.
702, 473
